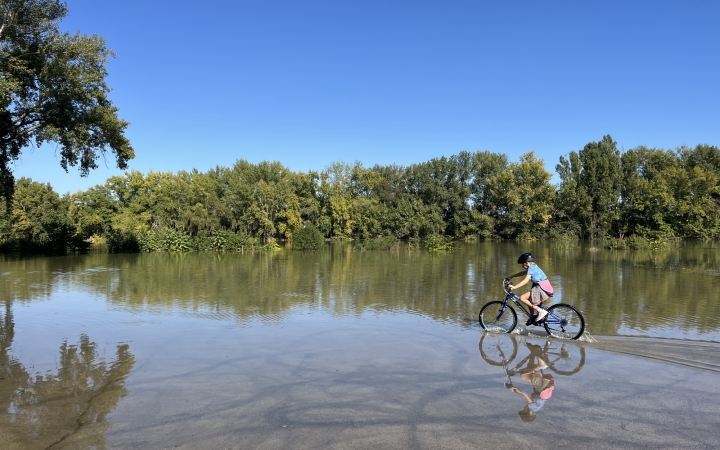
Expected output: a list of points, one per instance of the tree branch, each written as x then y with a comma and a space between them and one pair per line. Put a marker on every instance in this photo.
8, 19
31, 129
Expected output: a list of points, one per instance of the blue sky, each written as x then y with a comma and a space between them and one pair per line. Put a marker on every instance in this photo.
307, 83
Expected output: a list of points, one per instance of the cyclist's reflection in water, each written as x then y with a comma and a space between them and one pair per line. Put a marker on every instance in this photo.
561, 357
542, 384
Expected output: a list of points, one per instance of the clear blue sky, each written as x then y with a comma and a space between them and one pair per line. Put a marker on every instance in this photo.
307, 83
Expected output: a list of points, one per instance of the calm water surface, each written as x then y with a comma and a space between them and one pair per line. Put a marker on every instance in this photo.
96, 350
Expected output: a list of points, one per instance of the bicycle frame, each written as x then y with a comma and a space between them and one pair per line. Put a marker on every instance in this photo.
550, 317
516, 299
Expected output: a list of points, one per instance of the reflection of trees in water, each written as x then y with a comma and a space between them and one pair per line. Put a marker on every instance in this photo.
35, 278
634, 289
63, 410
644, 289
341, 281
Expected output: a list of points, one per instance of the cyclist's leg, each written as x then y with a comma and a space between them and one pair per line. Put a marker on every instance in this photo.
537, 296
534, 307
525, 298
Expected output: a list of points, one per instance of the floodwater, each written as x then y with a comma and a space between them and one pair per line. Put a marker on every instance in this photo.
344, 349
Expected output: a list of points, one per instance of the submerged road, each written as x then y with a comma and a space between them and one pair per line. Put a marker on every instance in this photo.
432, 393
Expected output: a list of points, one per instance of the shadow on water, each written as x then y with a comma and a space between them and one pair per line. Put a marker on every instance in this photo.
66, 409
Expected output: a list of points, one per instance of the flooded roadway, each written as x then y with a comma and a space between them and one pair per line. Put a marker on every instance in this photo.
150, 351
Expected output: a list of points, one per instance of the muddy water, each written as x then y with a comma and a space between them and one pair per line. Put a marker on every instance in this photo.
341, 349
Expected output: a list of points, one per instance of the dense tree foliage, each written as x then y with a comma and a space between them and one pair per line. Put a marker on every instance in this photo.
643, 193
52, 89
590, 190
650, 193
38, 220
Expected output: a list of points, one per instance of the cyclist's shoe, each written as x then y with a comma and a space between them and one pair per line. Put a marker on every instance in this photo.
541, 316
533, 348
530, 321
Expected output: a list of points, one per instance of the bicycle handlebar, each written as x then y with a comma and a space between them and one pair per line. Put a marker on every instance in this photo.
506, 286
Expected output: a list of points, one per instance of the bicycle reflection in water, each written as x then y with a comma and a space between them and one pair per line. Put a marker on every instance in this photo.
560, 357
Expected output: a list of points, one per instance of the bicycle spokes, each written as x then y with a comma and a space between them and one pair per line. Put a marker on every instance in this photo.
564, 321
498, 316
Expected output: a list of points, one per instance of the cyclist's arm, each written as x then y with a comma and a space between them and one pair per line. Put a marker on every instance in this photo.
518, 391
523, 282
524, 272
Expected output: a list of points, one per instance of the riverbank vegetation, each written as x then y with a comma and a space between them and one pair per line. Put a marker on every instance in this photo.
625, 199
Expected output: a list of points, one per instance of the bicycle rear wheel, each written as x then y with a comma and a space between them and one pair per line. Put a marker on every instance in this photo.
564, 322
565, 358
498, 349
498, 317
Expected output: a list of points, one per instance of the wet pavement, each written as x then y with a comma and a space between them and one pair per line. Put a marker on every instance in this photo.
386, 382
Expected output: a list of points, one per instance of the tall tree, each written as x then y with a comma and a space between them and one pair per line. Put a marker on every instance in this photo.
639, 212
600, 178
445, 184
52, 89
335, 193
705, 156
572, 204
688, 199
485, 166
521, 198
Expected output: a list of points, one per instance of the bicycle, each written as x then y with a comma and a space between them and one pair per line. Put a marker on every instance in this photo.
562, 321
561, 357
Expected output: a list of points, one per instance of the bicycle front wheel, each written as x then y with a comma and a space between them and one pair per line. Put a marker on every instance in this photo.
564, 322
498, 349
498, 317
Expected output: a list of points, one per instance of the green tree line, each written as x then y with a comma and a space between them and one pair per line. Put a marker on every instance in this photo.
621, 197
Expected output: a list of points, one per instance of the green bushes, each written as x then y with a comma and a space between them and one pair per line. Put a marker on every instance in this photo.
307, 238
170, 240
59, 234
227, 241
439, 243
149, 241
119, 242
271, 245
175, 241
638, 243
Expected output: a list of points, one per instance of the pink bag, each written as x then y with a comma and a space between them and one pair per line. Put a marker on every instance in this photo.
547, 393
546, 286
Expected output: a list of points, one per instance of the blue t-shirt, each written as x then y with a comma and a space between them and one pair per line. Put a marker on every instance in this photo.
536, 405
536, 273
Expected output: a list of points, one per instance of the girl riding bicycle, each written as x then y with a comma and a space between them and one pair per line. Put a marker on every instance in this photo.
541, 289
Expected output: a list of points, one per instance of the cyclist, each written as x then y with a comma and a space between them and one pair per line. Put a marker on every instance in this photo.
540, 291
